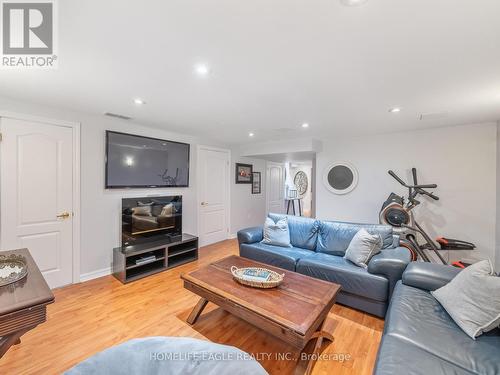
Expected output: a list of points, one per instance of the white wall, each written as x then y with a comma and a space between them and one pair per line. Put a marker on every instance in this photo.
289, 146
247, 209
497, 257
461, 160
100, 208
313, 187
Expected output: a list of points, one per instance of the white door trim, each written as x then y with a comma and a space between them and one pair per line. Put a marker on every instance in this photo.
75, 126
198, 192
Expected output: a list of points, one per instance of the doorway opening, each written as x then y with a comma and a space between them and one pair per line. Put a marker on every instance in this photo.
290, 185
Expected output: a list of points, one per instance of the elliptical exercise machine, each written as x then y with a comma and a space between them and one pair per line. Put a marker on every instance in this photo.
398, 214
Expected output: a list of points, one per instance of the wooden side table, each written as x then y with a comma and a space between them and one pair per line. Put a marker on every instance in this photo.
23, 304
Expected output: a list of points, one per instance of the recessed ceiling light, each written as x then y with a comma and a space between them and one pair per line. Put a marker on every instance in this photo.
395, 110
251, 134
201, 70
352, 3
305, 125
139, 101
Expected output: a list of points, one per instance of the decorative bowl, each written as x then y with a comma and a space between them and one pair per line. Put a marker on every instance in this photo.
273, 281
12, 268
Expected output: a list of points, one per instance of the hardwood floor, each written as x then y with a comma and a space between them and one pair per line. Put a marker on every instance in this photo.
92, 316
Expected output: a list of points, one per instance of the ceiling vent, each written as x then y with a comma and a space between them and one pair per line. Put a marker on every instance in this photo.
433, 116
116, 115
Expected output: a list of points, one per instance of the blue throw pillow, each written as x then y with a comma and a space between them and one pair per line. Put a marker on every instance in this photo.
276, 233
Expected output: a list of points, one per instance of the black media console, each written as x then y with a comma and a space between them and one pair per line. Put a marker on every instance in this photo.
135, 262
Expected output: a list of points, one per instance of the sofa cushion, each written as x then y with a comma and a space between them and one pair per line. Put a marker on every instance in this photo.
283, 257
303, 230
353, 279
396, 356
416, 317
335, 237
377, 308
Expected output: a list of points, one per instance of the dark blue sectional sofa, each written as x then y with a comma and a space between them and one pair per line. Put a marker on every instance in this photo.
420, 338
317, 250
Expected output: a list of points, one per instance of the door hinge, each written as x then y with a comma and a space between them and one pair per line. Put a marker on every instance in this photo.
1, 137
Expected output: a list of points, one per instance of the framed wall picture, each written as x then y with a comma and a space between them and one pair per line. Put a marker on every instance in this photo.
256, 185
243, 173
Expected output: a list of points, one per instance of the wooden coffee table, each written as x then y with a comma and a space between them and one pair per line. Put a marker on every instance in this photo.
294, 312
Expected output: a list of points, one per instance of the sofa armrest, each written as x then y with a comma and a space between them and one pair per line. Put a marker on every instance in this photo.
428, 276
250, 235
390, 263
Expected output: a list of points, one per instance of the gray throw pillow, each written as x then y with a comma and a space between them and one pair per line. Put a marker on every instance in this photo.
276, 233
362, 247
472, 299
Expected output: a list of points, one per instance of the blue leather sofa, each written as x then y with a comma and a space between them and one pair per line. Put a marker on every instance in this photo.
420, 338
317, 250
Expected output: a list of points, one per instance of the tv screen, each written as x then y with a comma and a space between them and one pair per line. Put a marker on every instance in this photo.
133, 161
149, 218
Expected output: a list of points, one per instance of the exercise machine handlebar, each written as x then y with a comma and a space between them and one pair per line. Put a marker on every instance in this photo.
419, 189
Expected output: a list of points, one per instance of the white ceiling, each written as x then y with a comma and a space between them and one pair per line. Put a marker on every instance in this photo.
274, 64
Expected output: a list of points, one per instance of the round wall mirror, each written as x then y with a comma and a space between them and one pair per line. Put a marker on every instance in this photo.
340, 177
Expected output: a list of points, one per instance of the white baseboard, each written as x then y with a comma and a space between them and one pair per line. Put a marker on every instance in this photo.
95, 274
232, 236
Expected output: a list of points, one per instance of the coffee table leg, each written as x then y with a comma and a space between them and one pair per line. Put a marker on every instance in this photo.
195, 314
319, 336
13, 339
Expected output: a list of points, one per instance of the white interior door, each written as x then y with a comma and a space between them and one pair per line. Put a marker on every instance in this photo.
275, 186
36, 200
213, 195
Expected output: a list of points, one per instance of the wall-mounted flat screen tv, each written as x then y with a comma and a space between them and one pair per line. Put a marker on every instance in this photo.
133, 161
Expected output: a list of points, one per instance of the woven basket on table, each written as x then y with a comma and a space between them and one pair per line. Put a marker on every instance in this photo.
275, 279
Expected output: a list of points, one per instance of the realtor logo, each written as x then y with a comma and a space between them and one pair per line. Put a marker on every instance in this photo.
28, 34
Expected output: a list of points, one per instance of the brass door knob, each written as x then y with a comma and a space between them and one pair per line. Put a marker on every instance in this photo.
64, 215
